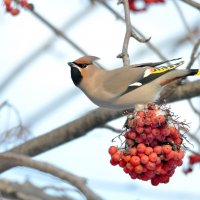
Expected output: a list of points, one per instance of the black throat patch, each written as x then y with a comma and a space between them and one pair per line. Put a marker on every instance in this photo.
76, 76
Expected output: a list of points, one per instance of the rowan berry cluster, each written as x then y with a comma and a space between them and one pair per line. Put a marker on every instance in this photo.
133, 4
152, 148
12, 8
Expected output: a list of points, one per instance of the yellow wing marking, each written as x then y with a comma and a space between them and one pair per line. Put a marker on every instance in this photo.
165, 68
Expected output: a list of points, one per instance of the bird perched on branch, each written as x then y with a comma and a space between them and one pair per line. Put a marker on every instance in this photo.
124, 87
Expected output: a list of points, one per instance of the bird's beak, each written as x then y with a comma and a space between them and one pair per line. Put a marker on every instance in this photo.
71, 64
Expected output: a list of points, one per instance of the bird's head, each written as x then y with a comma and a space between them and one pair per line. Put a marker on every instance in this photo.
82, 68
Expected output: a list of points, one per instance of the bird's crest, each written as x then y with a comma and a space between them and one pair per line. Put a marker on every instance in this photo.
86, 60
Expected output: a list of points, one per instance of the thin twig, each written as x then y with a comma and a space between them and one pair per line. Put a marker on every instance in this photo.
24, 64
111, 128
149, 44
74, 180
182, 16
194, 54
192, 3
54, 29
129, 32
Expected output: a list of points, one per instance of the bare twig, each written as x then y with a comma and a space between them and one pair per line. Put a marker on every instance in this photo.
30, 58
111, 128
76, 181
87, 123
149, 44
194, 54
129, 32
54, 29
190, 34
192, 3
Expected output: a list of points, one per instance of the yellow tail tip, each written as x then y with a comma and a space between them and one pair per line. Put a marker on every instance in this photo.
198, 73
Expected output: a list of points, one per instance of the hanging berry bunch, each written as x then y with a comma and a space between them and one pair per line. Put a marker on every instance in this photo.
133, 4
152, 147
11, 6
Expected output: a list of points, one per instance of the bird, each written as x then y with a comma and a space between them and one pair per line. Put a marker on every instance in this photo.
125, 87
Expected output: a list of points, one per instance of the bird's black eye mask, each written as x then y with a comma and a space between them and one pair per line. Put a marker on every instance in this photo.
81, 65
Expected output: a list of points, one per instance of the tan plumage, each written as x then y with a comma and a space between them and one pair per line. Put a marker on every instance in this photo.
112, 88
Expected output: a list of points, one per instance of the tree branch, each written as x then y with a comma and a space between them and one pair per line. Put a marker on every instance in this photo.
129, 32
54, 29
87, 123
25, 191
149, 44
192, 3
76, 181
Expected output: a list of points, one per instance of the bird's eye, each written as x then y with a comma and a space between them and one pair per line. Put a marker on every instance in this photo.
82, 65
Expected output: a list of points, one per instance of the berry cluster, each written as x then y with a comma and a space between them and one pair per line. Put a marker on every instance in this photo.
13, 10
152, 148
133, 4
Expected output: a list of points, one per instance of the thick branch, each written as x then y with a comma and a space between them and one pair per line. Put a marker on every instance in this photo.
87, 123
25, 191
76, 181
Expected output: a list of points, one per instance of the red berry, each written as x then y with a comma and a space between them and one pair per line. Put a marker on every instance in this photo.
135, 160
138, 169
133, 175
161, 119
144, 159
122, 163
157, 149
164, 178
148, 150
129, 167
165, 131
166, 148
130, 142
112, 150
24, 3
141, 114
116, 157
130, 135
138, 139
147, 129
7, 2
147, 121
139, 129
155, 181
180, 155
140, 122
178, 141
153, 157
127, 158
141, 148
150, 166
155, 132
14, 11
112, 162
170, 155
133, 151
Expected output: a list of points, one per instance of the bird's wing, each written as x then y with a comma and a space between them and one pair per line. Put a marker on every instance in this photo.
126, 79
117, 81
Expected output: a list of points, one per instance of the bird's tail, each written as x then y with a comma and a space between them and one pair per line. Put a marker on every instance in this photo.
178, 74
